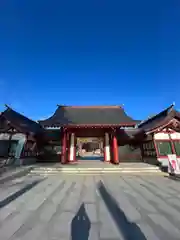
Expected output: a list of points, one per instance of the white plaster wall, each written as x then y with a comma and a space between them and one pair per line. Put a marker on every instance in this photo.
4, 136
107, 147
161, 136
175, 135
72, 147
165, 136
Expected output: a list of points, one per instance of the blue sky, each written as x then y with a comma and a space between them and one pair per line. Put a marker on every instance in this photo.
89, 53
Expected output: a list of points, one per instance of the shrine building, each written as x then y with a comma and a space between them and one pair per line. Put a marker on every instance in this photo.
76, 133
89, 121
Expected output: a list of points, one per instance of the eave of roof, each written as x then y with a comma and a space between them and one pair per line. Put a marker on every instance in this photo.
160, 120
88, 116
18, 124
167, 110
97, 125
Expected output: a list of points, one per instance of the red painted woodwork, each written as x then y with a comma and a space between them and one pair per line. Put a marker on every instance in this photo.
115, 150
105, 157
68, 145
111, 147
74, 158
155, 146
164, 129
174, 124
165, 140
172, 144
63, 156
89, 132
176, 140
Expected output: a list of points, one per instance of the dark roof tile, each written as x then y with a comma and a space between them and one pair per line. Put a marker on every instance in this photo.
21, 122
159, 119
65, 115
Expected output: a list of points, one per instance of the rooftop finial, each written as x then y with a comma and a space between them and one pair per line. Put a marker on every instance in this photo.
6, 105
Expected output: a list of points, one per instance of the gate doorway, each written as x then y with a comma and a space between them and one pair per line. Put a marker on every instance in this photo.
90, 148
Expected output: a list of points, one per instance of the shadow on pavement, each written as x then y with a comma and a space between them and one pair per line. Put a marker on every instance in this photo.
80, 225
128, 229
17, 194
174, 178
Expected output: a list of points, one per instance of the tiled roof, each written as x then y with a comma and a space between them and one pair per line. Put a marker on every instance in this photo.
102, 115
21, 122
159, 119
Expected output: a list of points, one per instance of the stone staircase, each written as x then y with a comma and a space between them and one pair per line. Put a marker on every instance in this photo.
95, 167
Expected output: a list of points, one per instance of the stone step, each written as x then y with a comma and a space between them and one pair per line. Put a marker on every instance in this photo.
95, 166
95, 170
99, 173
90, 167
74, 168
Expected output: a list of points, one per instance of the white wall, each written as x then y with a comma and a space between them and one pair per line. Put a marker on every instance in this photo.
161, 136
165, 136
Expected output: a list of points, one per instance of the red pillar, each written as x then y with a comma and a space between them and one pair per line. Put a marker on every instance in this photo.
64, 145
172, 145
75, 142
104, 143
68, 145
115, 150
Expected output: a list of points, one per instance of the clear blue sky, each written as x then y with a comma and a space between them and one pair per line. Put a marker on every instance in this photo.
89, 52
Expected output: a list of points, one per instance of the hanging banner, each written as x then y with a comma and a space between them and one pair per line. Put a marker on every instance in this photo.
173, 165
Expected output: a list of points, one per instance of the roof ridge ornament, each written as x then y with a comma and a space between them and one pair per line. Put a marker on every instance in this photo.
171, 108
6, 106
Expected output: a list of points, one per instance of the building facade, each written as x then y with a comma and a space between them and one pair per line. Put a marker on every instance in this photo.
18, 137
119, 137
88, 121
162, 135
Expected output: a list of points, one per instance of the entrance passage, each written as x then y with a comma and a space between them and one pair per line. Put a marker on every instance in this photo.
90, 148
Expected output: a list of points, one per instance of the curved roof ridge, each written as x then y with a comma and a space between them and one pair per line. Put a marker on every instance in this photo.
10, 108
68, 115
167, 110
20, 121
90, 106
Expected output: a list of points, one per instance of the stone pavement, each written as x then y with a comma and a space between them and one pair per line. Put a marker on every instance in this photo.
8, 173
106, 207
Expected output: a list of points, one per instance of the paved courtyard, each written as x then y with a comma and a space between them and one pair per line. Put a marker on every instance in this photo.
95, 207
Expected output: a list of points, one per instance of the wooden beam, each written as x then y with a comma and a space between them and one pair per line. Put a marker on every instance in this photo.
115, 150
